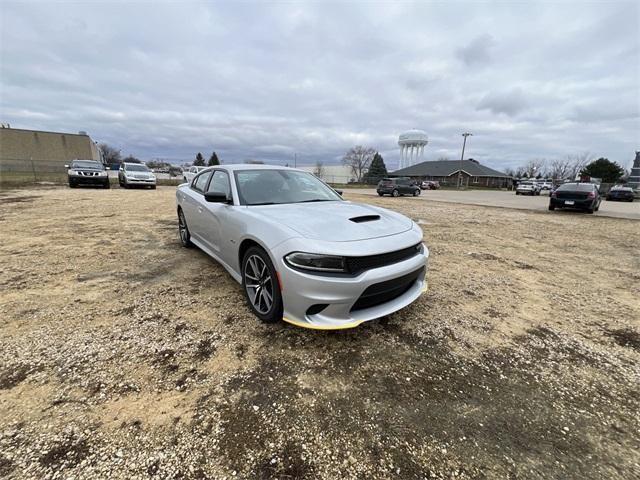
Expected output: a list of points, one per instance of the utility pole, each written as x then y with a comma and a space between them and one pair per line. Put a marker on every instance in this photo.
464, 144
295, 160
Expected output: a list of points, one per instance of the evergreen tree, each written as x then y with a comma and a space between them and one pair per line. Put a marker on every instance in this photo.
377, 169
199, 161
608, 171
213, 160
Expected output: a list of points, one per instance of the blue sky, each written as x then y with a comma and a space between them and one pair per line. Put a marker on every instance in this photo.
270, 80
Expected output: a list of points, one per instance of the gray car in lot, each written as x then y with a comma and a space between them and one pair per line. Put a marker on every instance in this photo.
135, 175
301, 252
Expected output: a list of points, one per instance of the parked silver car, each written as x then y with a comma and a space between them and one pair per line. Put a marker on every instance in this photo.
135, 174
528, 188
301, 252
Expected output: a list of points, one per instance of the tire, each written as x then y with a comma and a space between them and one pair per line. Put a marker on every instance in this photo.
590, 210
153, 187
517, 193
107, 185
259, 282
183, 230
72, 185
395, 193
552, 208
380, 194
416, 192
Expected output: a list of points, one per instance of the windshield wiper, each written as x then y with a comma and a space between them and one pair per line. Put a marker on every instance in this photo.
263, 203
316, 200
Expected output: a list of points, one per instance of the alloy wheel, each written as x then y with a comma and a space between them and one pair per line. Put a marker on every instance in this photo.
182, 228
258, 284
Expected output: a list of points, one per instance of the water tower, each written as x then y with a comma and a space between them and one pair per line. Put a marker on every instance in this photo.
412, 143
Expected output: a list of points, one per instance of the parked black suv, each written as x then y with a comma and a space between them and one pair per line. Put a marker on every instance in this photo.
581, 196
398, 186
87, 172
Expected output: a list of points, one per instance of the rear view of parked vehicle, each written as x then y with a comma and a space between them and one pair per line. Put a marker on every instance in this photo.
87, 172
136, 174
527, 188
579, 196
622, 193
398, 186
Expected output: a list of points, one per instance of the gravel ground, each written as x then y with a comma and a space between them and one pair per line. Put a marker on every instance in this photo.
123, 355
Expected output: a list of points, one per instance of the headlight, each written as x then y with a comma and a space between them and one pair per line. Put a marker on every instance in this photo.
73, 172
103, 173
316, 262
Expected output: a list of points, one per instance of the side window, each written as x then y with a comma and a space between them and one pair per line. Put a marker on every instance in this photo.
220, 183
200, 182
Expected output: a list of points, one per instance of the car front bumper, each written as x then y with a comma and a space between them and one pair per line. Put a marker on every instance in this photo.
140, 181
88, 180
404, 282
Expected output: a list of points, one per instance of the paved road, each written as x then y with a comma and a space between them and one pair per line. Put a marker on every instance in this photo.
511, 200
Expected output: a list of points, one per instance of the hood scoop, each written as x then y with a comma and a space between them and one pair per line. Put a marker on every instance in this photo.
365, 218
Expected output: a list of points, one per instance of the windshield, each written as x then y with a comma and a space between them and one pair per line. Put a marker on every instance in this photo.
137, 168
268, 187
87, 164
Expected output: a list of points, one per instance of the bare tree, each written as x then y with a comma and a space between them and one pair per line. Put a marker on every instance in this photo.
109, 154
444, 158
358, 159
319, 170
559, 169
577, 162
534, 167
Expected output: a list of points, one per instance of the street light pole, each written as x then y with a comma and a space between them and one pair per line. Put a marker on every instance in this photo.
464, 144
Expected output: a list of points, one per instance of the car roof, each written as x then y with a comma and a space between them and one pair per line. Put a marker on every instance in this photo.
251, 166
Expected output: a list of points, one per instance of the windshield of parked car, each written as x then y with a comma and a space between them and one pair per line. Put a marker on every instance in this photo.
86, 164
580, 187
268, 187
137, 168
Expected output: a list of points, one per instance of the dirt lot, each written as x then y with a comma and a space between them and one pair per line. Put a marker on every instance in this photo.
123, 355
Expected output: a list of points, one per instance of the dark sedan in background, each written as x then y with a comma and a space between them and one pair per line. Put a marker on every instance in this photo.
619, 192
580, 196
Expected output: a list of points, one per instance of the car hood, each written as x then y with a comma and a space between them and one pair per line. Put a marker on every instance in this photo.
338, 221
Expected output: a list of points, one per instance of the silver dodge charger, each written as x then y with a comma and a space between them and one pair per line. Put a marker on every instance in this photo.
301, 252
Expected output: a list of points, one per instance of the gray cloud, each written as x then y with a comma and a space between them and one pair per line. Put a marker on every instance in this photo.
478, 51
509, 102
268, 81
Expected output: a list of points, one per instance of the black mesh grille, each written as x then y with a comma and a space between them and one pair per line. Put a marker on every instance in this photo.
383, 292
356, 265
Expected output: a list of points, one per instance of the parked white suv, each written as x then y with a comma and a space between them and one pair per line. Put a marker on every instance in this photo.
528, 188
192, 172
135, 174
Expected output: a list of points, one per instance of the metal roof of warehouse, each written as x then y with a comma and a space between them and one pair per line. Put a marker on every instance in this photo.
444, 168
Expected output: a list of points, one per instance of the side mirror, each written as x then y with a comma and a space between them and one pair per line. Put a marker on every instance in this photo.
66, 166
339, 192
216, 197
